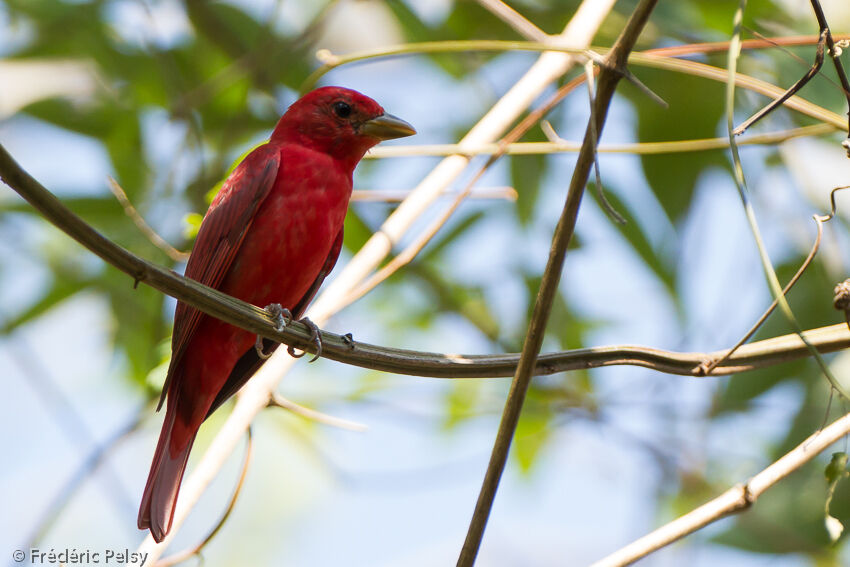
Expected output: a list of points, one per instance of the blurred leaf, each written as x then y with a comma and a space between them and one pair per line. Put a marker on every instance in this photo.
462, 401
449, 297
634, 234
532, 433
446, 237
138, 324
64, 285
695, 111
836, 469
193, 225
527, 174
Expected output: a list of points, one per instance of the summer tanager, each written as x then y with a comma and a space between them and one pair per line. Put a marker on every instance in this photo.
271, 236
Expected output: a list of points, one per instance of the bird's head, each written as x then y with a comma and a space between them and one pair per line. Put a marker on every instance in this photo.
340, 122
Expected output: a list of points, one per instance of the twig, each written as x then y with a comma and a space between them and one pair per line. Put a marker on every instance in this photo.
331, 61
697, 69
421, 240
839, 68
279, 401
554, 44
736, 499
515, 20
707, 367
608, 80
390, 196
559, 145
400, 361
792, 90
594, 141
143, 226
181, 556
743, 192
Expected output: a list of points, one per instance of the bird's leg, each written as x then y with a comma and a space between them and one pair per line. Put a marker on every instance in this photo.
282, 317
315, 337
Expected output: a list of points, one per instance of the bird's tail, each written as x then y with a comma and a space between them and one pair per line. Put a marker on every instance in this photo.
169, 462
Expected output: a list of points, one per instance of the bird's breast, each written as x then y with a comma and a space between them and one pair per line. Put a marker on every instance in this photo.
293, 231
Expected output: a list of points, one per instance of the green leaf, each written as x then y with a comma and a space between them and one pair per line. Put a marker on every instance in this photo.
532, 434
662, 266
526, 176
138, 324
695, 111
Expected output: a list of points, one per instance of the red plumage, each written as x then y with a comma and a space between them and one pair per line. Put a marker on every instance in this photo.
271, 235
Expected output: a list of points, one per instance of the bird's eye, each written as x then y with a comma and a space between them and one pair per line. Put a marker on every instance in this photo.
342, 109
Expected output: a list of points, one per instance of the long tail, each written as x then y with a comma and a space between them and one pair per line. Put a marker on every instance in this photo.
169, 462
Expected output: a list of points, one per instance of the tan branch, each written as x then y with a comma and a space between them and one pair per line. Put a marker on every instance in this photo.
609, 75
400, 361
736, 499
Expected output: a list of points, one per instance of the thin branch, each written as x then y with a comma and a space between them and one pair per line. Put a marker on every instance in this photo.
559, 145
331, 60
792, 90
143, 226
410, 252
594, 141
608, 79
390, 196
696, 69
181, 556
736, 499
743, 192
399, 361
839, 68
708, 366
279, 401
516, 20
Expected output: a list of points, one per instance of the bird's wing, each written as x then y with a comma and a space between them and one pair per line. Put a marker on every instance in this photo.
250, 362
220, 236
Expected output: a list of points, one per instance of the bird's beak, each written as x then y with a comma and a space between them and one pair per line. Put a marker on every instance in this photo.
387, 127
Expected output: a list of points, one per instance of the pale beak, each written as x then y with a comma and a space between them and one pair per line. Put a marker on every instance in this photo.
387, 127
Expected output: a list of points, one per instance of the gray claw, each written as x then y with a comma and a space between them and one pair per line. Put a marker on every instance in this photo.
258, 346
282, 318
315, 337
280, 314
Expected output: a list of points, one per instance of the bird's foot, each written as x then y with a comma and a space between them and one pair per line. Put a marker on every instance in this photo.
315, 338
282, 317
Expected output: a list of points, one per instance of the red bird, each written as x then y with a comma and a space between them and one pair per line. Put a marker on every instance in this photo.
271, 236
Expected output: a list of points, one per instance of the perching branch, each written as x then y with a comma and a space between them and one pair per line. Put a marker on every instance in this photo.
609, 76
400, 361
736, 499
